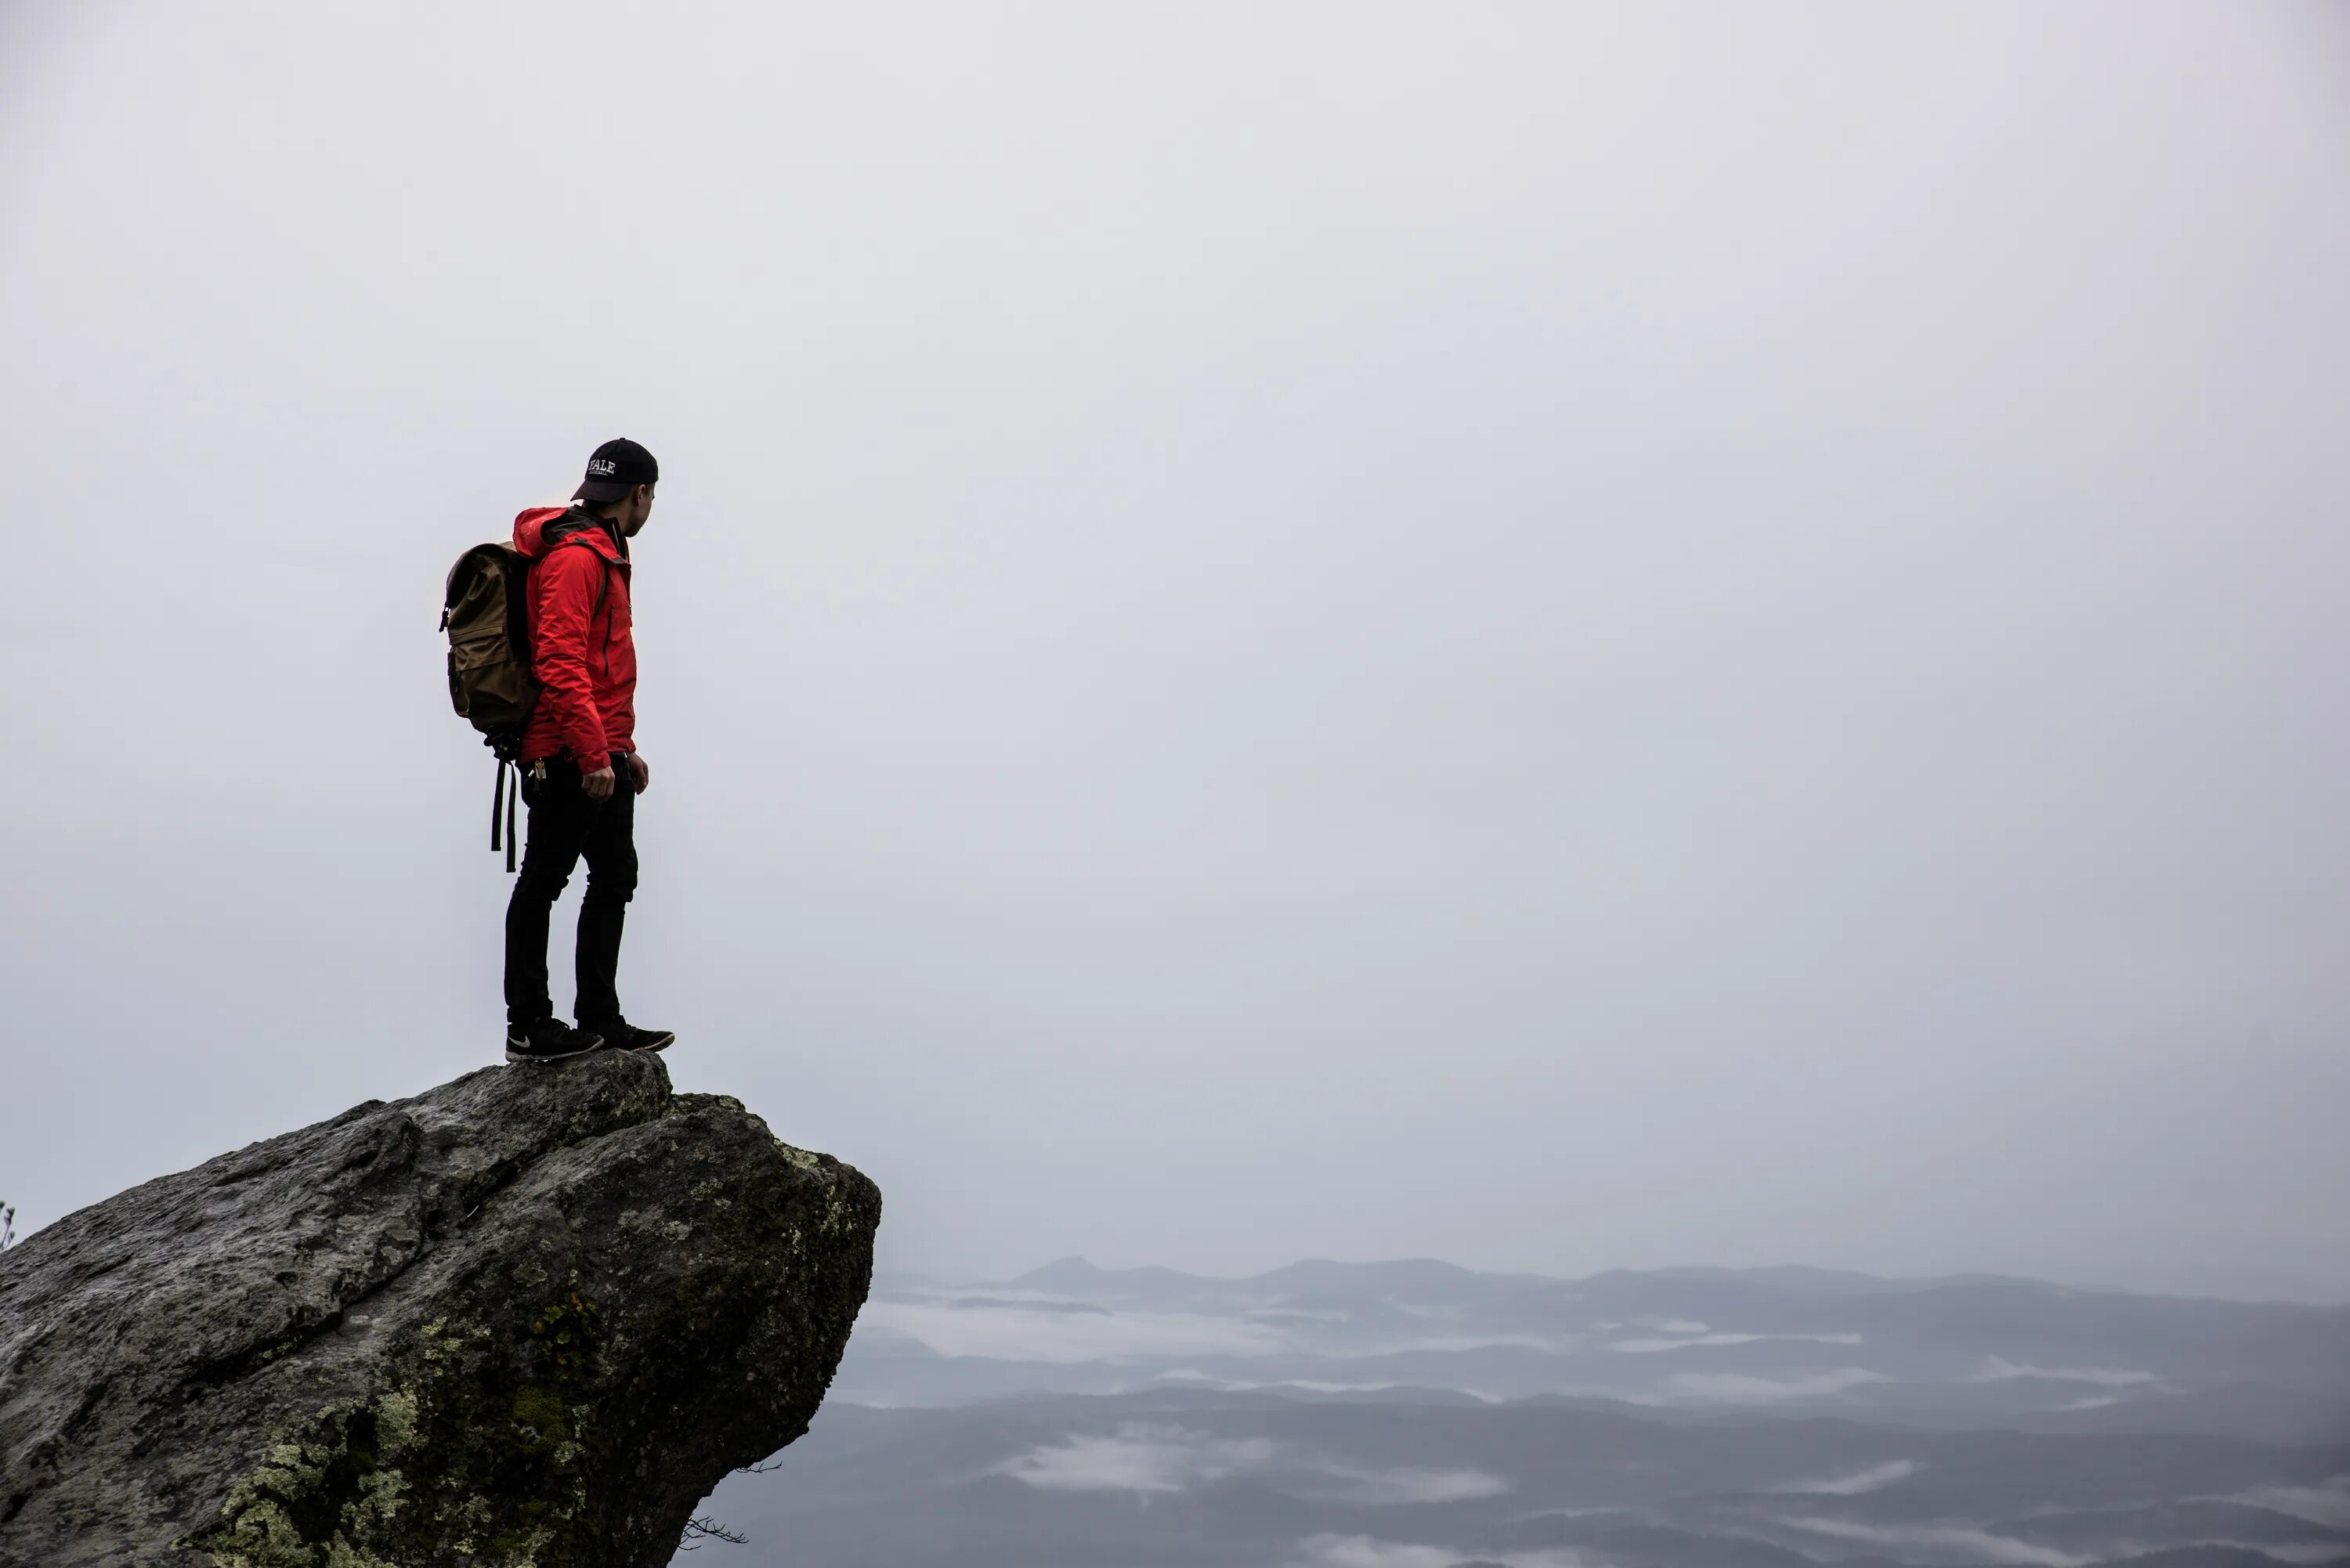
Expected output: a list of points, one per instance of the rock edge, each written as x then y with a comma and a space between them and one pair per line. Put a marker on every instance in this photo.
525, 1320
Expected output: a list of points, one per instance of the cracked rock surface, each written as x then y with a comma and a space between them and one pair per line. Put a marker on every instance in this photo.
530, 1317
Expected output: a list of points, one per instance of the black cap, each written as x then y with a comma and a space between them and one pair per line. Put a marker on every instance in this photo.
616, 468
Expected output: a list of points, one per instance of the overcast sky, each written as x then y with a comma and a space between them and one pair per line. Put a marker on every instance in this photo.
1552, 636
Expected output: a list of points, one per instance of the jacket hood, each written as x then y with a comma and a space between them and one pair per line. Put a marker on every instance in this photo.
533, 523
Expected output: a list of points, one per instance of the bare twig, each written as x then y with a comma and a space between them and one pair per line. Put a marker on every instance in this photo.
704, 1529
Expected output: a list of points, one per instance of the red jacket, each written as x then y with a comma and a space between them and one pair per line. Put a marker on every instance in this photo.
583, 653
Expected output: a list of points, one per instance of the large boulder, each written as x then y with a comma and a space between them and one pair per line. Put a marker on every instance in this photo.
528, 1318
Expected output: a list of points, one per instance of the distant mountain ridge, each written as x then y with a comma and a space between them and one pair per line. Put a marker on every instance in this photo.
1078, 1273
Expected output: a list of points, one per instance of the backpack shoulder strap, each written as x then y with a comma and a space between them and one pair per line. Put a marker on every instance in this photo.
603, 583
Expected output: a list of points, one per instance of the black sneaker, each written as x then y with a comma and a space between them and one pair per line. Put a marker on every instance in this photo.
619, 1034
548, 1040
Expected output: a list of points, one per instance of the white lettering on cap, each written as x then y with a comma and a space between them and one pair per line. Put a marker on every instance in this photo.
602, 465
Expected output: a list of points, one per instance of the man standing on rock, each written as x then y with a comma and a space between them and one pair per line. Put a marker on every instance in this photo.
580, 770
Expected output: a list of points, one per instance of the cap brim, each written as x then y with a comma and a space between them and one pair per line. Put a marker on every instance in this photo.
601, 490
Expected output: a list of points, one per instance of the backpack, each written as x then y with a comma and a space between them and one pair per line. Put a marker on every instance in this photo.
487, 613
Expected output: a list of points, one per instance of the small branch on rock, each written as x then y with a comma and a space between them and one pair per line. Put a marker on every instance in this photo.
703, 1528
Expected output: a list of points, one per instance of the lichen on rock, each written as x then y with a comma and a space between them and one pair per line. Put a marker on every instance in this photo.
526, 1320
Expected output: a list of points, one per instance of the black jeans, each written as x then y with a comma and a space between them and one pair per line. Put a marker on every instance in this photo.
565, 824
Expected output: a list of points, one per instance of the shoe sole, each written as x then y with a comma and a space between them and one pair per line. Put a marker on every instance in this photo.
514, 1055
661, 1041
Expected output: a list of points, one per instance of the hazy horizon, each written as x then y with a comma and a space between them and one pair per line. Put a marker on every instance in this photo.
906, 1277
1556, 637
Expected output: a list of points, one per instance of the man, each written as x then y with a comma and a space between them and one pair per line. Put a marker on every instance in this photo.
580, 770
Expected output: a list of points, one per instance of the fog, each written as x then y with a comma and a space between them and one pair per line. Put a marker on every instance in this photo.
1556, 635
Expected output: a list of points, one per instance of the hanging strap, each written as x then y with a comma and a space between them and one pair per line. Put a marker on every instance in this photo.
504, 787
497, 799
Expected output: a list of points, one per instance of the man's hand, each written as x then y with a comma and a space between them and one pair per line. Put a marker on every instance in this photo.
598, 785
639, 774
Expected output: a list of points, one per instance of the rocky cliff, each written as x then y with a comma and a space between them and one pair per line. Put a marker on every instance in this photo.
528, 1318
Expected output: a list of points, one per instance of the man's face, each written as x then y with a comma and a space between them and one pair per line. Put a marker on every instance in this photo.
636, 509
